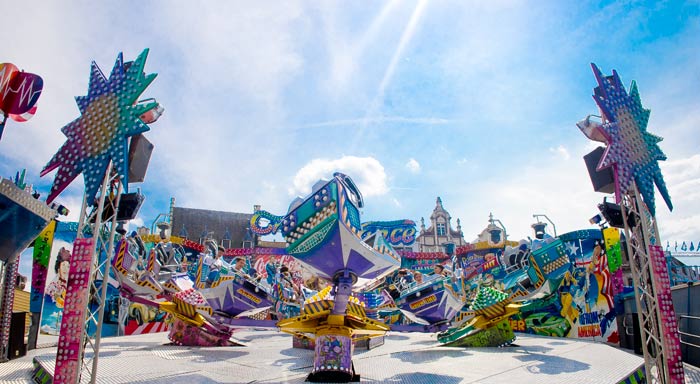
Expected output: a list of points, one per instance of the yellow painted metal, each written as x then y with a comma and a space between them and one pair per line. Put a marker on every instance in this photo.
195, 318
480, 321
317, 320
338, 320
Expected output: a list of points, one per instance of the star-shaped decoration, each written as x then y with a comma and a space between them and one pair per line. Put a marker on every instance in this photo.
110, 115
631, 150
572, 248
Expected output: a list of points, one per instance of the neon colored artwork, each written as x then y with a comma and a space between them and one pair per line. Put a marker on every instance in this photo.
109, 116
632, 151
19, 92
396, 233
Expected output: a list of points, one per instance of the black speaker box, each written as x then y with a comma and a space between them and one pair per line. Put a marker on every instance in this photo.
17, 348
603, 180
129, 206
140, 151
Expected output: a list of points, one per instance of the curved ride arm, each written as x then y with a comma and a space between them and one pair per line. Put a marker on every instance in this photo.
352, 188
273, 223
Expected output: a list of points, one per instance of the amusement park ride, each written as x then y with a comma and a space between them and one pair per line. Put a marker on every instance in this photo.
633, 154
493, 282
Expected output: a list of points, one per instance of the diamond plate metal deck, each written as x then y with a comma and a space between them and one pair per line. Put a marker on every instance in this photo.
405, 358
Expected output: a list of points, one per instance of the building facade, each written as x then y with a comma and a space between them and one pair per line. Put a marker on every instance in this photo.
228, 229
439, 232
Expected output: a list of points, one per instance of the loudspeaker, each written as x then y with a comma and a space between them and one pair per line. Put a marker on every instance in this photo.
140, 151
603, 180
17, 348
637, 335
129, 206
613, 215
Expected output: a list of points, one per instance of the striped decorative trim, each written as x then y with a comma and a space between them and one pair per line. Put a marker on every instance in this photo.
356, 311
538, 272
148, 284
462, 315
317, 307
172, 286
119, 260
40, 375
492, 311
636, 377
221, 279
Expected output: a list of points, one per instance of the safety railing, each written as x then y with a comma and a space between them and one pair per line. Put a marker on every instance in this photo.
683, 274
684, 326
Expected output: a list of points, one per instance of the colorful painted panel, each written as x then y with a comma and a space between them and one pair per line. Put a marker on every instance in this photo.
399, 233
139, 318
57, 278
481, 261
613, 248
581, 305
76, 297
333, 353
323, 231
41, 255
423, 262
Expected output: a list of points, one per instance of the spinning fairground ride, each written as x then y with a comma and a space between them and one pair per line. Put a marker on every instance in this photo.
553, 285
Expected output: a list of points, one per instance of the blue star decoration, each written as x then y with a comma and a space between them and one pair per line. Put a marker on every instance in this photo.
631, 150
572, 249
110, 115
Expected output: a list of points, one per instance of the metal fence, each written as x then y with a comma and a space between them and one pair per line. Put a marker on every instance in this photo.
686, 303
689, 336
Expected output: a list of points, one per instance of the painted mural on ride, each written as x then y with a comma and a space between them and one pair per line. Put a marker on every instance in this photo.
566, 285
570, 283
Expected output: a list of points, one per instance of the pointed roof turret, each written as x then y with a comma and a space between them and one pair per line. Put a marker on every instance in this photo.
248, 235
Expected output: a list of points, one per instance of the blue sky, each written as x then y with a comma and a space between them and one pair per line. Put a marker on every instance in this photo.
473, 101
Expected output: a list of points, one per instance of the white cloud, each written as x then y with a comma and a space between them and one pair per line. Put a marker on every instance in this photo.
559, 189
236, 87
682, 177
560, 151
413, 165
381, 120
367, 172
562, 190
681, 171
136, 223
346, 51
73, 201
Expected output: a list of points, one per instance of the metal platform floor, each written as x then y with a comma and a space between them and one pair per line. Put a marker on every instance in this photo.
404, 358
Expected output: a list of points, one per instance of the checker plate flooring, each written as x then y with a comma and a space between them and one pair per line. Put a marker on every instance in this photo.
404, 358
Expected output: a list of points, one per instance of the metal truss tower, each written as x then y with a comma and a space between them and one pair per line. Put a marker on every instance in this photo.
658, 324
81, 326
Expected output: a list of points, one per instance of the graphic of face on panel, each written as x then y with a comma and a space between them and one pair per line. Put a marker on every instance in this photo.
57, 279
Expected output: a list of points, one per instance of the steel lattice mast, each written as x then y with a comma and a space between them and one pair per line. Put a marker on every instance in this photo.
96, 146
633, 155
658, 324
78, 350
